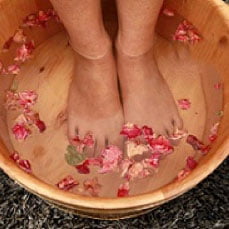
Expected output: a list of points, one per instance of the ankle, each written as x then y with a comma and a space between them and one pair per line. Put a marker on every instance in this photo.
93, 49
133, 47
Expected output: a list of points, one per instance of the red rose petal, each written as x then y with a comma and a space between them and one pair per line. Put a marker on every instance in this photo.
83, 168
40, 125
25, 165
161, 145
7, 44
123, 190
67, 183
147, 131
15, 156
195, 142
131, 130
191, 163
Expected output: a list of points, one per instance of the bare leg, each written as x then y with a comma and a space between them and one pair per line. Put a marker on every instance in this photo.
93, 103
147, 99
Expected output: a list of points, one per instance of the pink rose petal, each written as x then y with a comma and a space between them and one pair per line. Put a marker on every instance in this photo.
24, 52
13, 69
89, 140
124, 166
111, 156
137, 170
67, 183
154, 159
182, 174
184, 104
213, 132
92, 186
20, 131
186, 32
179, 134
27, 99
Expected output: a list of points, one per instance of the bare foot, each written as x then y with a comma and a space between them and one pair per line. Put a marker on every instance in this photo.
94, 103
147, 99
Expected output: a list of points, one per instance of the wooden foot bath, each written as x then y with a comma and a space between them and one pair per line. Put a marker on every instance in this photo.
36, 66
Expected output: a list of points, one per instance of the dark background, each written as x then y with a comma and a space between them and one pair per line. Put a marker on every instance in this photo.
205, 207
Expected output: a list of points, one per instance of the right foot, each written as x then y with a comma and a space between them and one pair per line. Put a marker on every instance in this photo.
94, 103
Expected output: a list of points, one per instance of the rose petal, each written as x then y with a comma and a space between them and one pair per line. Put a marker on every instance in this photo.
191, 163
123, 189
124, 166
161, 145
67, 183
178, 134
20, 131
24, 52
147, 131
184, 104
197, 144
134, 149
92, 186
13, 69
7, 44
89, 140
154, 160
40, 125
15, 156
182, 174
25, 165
186, 32
111, 156
131, 130
83, 168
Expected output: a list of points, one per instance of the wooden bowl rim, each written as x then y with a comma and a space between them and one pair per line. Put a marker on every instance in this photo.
146, 200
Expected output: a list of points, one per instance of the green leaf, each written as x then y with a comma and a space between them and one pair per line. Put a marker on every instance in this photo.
73, 157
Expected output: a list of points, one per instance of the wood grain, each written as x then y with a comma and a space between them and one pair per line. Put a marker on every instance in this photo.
190, 71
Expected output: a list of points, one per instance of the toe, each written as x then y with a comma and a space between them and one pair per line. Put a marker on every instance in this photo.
178, 122
71, 130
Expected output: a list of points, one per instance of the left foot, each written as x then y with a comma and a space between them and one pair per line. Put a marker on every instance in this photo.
147, 99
